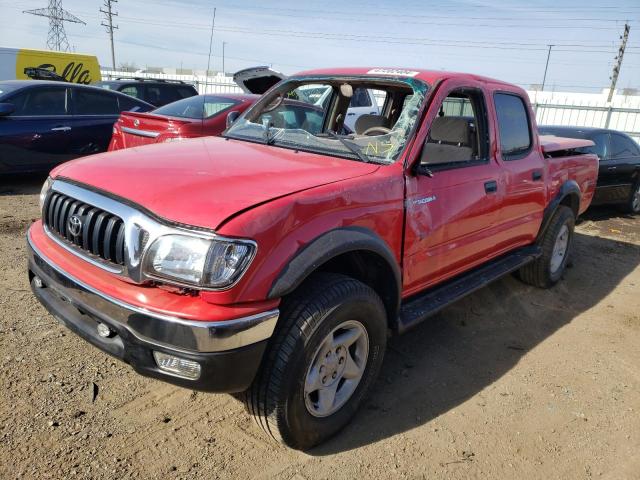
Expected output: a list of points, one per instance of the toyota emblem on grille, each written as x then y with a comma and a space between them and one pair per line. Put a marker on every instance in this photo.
74, 225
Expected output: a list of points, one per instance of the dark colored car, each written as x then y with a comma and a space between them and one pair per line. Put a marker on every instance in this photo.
155, 92
619, 174
44, 123
200, 116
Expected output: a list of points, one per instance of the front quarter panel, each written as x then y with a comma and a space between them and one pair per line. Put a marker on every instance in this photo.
283, 227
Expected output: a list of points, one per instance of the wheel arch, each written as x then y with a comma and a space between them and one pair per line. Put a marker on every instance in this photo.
569, 195
353, 251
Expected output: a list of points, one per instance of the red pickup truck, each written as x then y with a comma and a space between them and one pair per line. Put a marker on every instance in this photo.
275, 260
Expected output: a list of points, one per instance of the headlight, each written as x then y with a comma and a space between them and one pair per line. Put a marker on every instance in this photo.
46, 186
201, 262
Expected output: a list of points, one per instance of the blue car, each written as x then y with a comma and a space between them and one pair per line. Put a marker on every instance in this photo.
44, 123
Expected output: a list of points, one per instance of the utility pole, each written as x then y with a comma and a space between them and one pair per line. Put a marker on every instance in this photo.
206, 74
109, 14
546, 67
223, 44
618, 65
57, 37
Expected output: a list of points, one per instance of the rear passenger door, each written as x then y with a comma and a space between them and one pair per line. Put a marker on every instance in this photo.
523, 181
454, 198
94, 113
623, 161
36, 136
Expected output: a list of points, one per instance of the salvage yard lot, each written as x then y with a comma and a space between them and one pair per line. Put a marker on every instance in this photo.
511, 382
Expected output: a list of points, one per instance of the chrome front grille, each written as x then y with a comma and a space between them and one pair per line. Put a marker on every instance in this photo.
93, 230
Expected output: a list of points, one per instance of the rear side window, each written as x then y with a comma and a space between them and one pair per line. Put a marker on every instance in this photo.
360, 98
127, 104
622, 147
600, 148
89, 102
196, 107
161, 94
133, 91
186, 92
40, 102
513, 125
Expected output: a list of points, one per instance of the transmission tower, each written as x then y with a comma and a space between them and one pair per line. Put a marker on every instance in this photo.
56, 38
109, 14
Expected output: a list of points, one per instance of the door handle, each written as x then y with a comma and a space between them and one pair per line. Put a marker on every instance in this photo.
60, 129
536, 175
612, 168
350, 114
491, 187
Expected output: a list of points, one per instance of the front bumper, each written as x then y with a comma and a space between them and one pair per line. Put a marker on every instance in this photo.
229, 352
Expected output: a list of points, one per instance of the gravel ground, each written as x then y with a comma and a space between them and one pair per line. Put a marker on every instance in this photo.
511, 382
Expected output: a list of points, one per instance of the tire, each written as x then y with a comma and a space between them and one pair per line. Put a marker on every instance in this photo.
277, 399
547, 270
633, 204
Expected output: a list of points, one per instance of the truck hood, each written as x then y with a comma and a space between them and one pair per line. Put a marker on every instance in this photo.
204, 181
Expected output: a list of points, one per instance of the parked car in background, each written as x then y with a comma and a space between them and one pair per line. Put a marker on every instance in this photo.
44, 123
276, 260
153, 91
198, 116
260, 79
619, 172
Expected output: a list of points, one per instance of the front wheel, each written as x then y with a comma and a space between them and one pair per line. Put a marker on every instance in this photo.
547, 269
322, 361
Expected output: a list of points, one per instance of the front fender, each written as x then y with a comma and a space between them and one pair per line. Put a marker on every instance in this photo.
326, 247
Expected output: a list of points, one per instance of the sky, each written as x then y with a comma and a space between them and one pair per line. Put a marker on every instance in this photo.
501, 39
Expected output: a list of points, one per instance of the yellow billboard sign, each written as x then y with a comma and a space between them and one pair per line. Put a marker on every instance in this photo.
24, 64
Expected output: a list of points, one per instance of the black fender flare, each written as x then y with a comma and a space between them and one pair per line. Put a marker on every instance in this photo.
330, 245
570, 187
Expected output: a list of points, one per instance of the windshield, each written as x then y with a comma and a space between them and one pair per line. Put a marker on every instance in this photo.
317, 115
196, 107
8, 88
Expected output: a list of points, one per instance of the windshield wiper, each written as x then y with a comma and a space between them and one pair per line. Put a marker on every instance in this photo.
351, 146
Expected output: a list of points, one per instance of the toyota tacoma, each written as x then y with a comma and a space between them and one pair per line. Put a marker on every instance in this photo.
274, 261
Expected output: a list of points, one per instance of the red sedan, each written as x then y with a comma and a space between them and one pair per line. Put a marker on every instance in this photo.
199, 116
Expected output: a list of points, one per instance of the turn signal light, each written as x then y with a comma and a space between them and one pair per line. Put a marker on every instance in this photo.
180, 367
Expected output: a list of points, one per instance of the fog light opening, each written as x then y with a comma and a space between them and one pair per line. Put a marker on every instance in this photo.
180, 367
104, 331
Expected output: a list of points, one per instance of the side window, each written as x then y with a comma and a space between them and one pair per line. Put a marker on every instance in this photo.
40, 102
89, 102
601, 146
513, 125
458, 134
185, 92
622, 147
360, 98
126, 104
133, 91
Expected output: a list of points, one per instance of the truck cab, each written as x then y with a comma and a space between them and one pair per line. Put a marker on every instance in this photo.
275, 261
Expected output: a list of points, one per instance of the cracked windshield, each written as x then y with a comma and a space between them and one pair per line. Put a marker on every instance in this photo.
363, 120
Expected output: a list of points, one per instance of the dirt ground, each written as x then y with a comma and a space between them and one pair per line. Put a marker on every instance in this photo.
511, 382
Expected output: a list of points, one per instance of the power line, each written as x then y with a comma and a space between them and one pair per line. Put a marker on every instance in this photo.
57, 37
109, 14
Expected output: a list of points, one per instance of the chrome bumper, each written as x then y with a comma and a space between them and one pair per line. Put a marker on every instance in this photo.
150, 327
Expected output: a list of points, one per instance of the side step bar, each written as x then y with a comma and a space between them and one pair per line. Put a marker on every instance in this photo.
422, 306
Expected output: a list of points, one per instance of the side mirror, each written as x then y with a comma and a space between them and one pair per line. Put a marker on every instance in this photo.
232, 117
6, 109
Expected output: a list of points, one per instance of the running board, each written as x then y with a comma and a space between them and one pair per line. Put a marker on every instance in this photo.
424, 305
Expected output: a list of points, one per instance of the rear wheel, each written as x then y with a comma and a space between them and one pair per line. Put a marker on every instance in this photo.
547, 269
633, 204
322, 361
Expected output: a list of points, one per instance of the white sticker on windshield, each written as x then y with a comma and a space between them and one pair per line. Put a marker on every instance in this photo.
392, 71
